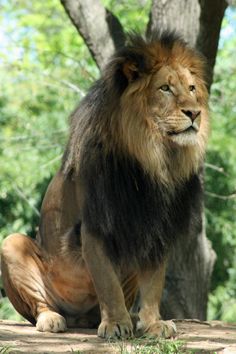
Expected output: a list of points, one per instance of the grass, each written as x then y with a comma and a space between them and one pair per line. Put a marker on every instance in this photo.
6, 349
146, 345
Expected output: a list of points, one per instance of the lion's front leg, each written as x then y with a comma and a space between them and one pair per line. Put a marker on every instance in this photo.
151, 284
115, 319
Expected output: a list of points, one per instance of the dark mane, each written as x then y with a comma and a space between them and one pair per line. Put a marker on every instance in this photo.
137, 219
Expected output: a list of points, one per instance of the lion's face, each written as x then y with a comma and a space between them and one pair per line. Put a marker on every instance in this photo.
175, 104
165, 118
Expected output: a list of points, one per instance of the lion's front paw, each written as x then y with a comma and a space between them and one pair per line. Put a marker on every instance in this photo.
114, 330
50, 321
164, 329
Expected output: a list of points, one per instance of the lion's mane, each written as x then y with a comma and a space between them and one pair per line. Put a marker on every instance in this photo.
139, 191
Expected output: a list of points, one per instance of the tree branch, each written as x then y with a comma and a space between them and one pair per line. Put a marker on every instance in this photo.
212, 13
25, 198
222, 197
216, 168
100, 29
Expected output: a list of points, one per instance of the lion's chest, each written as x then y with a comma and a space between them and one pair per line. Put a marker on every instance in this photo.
137, 219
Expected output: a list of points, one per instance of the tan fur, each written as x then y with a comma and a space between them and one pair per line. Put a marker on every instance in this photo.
56, 274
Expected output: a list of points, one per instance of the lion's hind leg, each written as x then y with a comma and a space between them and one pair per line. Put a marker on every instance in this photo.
23, 273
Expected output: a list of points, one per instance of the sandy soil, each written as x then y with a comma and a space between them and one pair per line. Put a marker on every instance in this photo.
201, 337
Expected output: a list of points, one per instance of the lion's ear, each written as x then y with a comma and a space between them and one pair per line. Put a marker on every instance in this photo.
130, 71
133, 67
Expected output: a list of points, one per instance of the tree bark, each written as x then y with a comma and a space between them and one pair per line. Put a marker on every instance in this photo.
180, 16
211, 15
191, 262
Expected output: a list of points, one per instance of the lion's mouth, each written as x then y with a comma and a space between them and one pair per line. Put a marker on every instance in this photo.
191, 129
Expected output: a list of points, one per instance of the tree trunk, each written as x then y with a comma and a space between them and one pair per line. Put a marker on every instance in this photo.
181, 16
191, 262
100, 29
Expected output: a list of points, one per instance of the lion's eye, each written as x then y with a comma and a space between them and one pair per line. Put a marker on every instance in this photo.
165, 88
192, 88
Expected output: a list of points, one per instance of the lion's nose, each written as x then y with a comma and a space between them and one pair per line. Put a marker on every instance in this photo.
191, 114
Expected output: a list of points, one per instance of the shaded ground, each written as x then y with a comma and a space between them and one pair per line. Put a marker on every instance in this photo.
201, 337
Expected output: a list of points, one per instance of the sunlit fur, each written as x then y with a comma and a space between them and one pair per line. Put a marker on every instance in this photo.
128, 113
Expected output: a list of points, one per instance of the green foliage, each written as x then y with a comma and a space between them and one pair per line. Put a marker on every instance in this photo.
41, 83
132, 14
45, 68
7, 311
220, 182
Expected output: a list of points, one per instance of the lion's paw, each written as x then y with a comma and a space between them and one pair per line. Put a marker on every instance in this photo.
114, 330
50, 321
160, 329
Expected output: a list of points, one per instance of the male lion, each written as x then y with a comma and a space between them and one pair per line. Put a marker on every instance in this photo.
124, 194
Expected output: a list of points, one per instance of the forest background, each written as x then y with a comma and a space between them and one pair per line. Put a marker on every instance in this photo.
45, 69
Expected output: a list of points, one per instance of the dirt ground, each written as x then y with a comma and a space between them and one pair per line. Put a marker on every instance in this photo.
201, 337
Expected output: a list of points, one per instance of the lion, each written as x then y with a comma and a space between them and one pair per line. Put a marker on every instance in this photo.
127, 185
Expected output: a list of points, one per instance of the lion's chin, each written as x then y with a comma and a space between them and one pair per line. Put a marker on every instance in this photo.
185, 138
